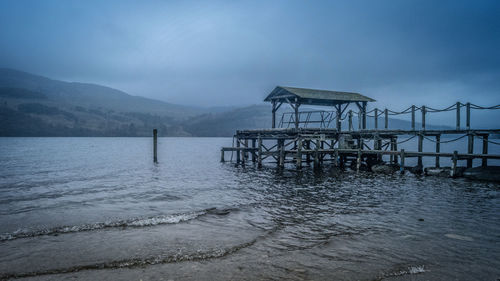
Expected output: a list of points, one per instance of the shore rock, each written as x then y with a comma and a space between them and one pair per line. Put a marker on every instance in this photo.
438, 172
385, 169
444, 172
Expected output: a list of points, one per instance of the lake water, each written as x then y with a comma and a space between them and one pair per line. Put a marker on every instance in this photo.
98, 208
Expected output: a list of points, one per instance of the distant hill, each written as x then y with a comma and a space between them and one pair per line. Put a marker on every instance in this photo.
89, 96
32, 105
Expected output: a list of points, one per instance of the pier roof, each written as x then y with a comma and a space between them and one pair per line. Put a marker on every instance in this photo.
314, 96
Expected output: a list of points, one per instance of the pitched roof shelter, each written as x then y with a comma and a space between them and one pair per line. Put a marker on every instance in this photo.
314, 96
298, 96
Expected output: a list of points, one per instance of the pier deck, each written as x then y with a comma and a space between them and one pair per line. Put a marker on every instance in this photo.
325, 141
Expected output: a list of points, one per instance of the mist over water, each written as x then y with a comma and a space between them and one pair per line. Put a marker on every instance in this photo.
98, 208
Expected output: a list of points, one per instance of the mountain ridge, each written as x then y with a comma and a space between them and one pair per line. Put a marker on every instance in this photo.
33, 105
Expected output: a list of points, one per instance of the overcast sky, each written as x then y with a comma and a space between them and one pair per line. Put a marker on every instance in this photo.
215, 53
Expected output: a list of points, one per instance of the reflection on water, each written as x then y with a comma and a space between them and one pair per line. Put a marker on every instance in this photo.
87, 206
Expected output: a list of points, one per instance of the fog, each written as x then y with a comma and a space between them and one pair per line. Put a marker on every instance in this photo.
232, 53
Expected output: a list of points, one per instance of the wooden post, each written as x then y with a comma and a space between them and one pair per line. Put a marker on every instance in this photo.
332, 144
395, 149
358, 161
259, 155
458, 116
420, 148
377, 145
336, 157
412, 117
281, 147
222, 155
376, 118
274, 114
296, 109
308, 147
386, 112
470, 149
253, 151
321, 146
339, 116
467, 124
485, 150
238, 151
423, 117
438, 149
350, 121
402, 167
299, 153
359, 119
454, 158
391, 158
245, 152
316, 155
155, 146
364, 115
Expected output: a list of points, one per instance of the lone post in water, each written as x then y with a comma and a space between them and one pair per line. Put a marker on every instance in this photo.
155, 145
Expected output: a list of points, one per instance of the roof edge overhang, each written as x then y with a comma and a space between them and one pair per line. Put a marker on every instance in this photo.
286, 94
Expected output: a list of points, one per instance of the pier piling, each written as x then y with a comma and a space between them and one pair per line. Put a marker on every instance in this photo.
484, 161
155, 145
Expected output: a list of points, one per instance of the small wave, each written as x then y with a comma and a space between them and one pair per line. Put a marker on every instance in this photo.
459, 237
405, 271
137, 262
136, 222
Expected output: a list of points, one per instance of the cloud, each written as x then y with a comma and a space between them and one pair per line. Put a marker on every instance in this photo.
233, 53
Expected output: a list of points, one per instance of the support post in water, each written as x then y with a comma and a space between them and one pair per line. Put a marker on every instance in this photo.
420, 149
470, 149
155, 145
299, 153
308, 147
281, 151
438, 149
485, 150
222, 155
395, 149
402, 167
253, 151
238, 151
316, 155
259, 155
358, 161
245, 153
454, 158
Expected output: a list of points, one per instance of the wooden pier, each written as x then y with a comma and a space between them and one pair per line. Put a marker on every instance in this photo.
301, 139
